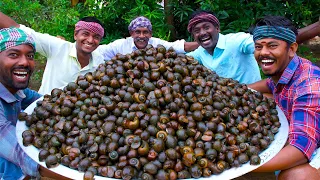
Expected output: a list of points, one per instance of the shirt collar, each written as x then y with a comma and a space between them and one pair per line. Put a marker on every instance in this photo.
289, 71
93, 60
7, 96
73, 51
132, 45
221, 44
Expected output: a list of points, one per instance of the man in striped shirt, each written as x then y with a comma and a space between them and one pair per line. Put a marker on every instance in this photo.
295, 85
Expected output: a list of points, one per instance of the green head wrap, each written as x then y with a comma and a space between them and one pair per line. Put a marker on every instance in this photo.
10, 37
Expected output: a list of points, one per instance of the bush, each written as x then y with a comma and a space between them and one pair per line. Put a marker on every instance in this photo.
57, 17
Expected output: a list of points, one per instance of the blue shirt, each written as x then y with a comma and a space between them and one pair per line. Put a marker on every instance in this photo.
232, 58
10, 107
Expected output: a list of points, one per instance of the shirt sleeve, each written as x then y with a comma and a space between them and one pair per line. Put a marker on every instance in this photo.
270, 85
177, 45
45, 43
110, 50
10, 149
31, 96
304, 130
247, 44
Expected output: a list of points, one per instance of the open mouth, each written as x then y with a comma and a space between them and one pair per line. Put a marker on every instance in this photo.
267, 62
88, 45
21, 75
140, 40
205, 40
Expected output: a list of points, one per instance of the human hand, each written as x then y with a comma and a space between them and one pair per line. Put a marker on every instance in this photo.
44, 172
61, 37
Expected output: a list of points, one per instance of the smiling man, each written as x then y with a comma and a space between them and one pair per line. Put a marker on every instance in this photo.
65, 60
295, 85
140, 30
17, 51
230, 56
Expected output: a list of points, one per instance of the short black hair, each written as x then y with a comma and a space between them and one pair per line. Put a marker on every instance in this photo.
93, 19
270, 20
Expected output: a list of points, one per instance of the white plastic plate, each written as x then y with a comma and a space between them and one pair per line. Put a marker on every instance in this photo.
266, 155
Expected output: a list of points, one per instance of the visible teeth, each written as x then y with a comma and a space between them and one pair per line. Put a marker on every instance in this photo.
267, 61
20, 73
204, 39
21, 77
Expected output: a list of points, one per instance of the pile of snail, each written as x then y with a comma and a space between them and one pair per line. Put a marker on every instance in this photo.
151, 114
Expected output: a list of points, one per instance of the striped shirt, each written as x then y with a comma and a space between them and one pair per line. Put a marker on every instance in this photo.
298, 95
10, 106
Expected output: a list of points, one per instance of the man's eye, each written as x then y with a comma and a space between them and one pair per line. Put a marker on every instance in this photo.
31, 56
97, 37
13, 55
196, 31
257, 47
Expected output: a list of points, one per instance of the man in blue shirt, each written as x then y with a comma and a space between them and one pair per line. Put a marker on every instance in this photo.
231, 55
17, 51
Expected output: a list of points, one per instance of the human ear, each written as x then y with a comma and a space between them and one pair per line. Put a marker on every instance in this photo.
293, 49
75, 35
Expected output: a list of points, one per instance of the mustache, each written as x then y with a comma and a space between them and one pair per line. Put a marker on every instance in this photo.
28, 69
138, 39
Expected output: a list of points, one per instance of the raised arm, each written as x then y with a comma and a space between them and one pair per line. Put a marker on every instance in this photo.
6, 21
308, 32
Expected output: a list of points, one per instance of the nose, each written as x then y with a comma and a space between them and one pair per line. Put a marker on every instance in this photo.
202, 31
264, 51
23, 61
26, 62
90, 39
141, 35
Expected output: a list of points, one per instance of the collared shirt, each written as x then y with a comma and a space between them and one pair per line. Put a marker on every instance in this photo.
125, 46
10, 107
297, 93
62, 64
232, 58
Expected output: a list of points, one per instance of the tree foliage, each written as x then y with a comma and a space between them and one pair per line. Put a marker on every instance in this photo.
57, 17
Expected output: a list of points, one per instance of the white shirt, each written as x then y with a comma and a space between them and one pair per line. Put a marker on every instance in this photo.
125, 46
62, 64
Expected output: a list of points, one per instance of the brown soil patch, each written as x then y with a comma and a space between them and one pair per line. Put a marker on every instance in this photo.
35, 81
